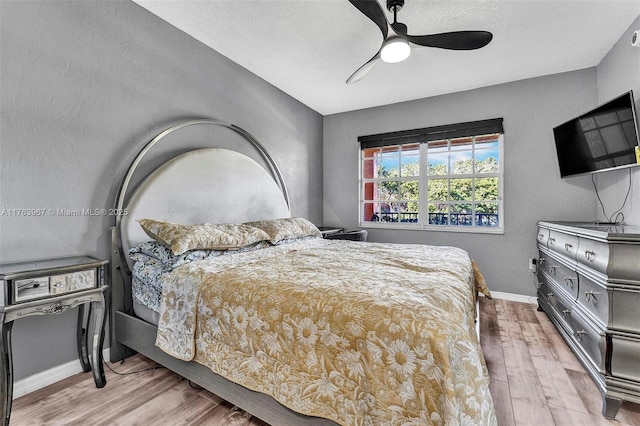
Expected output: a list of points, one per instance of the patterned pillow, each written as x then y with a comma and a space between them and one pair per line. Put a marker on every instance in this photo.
206, 236
286, 228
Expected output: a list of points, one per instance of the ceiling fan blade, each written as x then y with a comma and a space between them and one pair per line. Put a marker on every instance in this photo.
363, 70
457, 40
372, 10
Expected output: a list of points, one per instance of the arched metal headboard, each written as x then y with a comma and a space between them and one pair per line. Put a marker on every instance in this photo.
120, 273
122, 191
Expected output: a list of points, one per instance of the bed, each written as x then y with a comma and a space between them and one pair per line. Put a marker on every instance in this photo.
256, 307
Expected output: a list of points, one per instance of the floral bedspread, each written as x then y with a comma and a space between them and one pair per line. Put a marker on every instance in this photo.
359, 333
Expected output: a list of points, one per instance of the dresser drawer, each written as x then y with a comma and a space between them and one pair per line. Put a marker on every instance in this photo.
543, 236
563, 244
590, 338
593, 254
565, 277
558, 301
624, 356
593, 297
625, 314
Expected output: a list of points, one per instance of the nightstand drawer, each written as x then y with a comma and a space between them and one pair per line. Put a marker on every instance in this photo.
74, 281
31, 288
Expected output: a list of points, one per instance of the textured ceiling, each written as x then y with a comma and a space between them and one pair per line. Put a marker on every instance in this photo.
308, 48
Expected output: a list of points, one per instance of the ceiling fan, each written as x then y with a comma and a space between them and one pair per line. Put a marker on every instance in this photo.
395, 46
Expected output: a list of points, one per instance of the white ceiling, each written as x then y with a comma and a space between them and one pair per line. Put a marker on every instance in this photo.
308, 48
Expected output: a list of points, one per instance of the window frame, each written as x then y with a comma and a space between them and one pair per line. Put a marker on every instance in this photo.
422, 137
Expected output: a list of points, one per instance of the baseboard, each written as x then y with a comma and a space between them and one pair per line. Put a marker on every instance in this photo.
512, 297
45, 378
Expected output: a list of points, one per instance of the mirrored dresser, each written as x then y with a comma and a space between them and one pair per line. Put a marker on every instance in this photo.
47, 287
589, 286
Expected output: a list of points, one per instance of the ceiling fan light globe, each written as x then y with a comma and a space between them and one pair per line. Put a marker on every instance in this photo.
395, 49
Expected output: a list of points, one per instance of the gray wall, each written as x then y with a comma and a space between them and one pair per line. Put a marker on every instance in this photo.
533, 189
84, 86
619, 72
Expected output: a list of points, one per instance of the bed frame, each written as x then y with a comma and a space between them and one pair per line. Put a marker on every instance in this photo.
212, 185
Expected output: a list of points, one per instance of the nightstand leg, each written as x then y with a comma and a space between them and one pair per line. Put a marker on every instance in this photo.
82, 336
6, 371
98, 309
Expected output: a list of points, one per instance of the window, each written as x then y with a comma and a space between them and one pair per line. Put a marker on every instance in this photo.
447, 178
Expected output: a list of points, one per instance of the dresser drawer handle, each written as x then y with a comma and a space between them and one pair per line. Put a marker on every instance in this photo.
567, 247
541, 236
539, 284
552, 269
579, 334
566, 313
591, 295
552, 240
541, 261
590, 255
549, 296
569, 281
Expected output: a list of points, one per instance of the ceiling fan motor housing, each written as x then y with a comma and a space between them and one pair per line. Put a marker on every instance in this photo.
394, 5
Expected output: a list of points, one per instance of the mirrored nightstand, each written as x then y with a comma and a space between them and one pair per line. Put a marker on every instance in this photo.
328, 230
47, 287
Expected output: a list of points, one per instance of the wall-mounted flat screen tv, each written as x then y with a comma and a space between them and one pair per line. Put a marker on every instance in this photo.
600, 140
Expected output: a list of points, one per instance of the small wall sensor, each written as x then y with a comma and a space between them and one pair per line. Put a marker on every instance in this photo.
635, 38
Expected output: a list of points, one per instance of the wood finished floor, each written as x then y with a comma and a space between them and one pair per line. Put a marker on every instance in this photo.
535, 380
